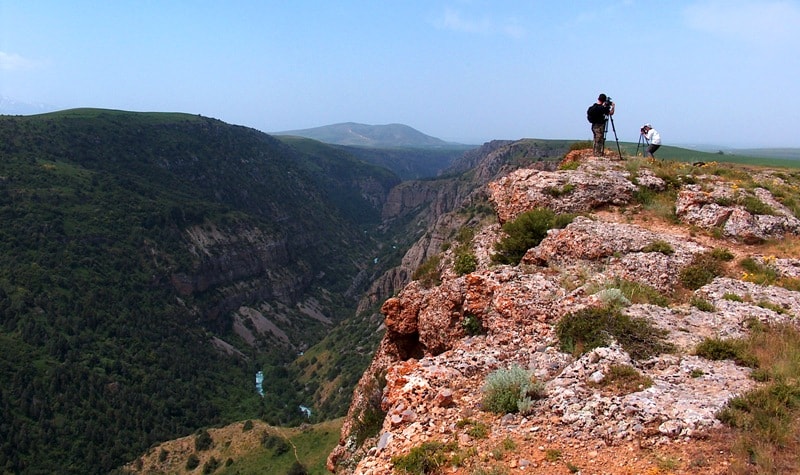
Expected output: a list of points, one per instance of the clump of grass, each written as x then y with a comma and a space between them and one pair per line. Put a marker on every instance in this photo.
702, 304
624, 379
659, 246
427, 458
767, 417
732, 297
753, 205
593, 327
557, 192
703, 269
428, 272
726, 349
758, 273
571, 165
475, 429
511, 390
771, 306
525, 232
637, 292
552, 455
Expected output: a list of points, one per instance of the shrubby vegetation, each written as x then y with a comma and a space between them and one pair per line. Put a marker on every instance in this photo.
511, 390
593, 327
526, 232
100, 358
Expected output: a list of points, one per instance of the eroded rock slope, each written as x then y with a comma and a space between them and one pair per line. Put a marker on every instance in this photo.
425, 381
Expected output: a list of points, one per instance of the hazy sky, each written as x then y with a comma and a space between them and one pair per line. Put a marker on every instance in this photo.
723, 72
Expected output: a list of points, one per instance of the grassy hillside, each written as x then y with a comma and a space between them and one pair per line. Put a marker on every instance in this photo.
100, 355
245, 448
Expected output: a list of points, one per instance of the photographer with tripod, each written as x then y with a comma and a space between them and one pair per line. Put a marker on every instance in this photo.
598, 114
653, 139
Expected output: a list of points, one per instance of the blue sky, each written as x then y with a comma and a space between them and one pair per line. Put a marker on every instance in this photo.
720, 72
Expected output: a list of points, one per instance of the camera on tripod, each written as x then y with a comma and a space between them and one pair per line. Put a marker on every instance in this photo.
609, 102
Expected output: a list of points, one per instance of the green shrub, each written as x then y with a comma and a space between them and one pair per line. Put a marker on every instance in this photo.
211, 465
659, 246
427, 458
526, 232
505, 390
702, 304
202, 441
465, 262
472, 324
729, 349
593, 327
192, 462
277, 444
248, 425
722, 254
297, 468
557, 192
702, 270
732, 297
162, 455
754, 205
758, 273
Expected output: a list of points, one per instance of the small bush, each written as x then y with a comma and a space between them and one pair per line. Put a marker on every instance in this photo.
248, 425
505, 390
465, 262
211, 466
753, 205
472, 324
659, 246
277, 444
730, 349
557, 192
162, 455
192, 462
593, 327
428, 458
702, 304
297, 468
526, 232
203, 441
732, 297
701, 271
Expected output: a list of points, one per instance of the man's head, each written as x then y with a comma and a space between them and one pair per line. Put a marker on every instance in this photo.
602, 98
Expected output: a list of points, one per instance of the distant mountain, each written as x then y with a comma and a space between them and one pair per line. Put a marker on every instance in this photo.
363, 135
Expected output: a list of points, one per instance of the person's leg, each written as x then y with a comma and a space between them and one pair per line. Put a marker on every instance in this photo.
598, 130
651, 150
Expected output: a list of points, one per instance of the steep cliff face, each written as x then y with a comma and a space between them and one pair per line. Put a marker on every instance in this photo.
640, 226
427, 206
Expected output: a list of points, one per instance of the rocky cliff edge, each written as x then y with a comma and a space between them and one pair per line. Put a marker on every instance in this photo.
425, 381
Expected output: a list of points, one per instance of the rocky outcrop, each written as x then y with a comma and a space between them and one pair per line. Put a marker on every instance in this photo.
748, 215
427, 373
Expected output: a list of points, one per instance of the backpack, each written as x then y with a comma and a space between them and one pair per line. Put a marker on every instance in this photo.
596, 113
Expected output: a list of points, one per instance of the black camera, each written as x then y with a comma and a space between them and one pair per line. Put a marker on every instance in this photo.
609, 102
642, 130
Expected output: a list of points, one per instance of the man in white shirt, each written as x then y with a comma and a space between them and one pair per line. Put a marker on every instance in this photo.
653, 138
